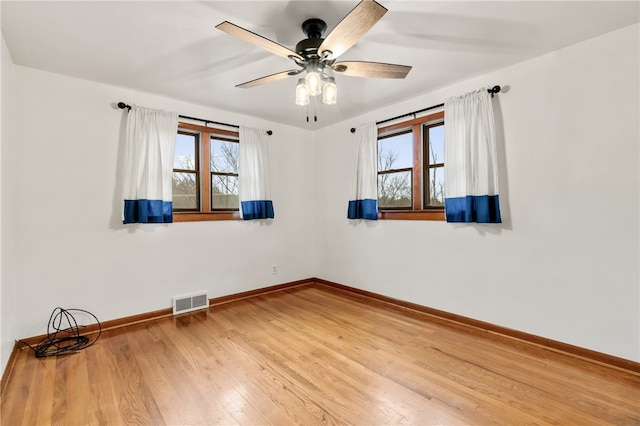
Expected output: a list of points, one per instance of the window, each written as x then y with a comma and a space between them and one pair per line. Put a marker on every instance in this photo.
411, 169
205, 174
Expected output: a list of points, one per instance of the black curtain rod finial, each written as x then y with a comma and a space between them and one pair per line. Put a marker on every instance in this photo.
122, 105
353, 130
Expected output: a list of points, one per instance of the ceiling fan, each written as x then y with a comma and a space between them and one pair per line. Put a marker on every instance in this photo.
317, 56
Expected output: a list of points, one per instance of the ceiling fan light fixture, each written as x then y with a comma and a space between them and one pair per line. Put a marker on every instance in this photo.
316, 56
302, 95
330, 92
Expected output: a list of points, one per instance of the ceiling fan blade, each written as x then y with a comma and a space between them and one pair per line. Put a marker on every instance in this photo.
371, 69
269, 79
257, 39
352, 27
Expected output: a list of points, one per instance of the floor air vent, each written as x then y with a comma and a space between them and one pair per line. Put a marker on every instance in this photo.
190, 303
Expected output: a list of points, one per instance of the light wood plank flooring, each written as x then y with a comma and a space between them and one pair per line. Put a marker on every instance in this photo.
314, 355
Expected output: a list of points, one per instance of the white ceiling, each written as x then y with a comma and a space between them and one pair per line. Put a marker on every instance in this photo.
172, 48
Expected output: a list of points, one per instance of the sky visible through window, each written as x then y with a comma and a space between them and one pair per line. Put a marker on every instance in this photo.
184, 153
436, 144
401, 146
395, 152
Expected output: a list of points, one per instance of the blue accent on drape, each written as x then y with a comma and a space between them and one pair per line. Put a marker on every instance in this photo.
363, 209
260, 209
473, 208
148, 211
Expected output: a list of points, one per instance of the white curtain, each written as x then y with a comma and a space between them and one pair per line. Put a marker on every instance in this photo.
471, 160
363, 201
148, 165
253, 175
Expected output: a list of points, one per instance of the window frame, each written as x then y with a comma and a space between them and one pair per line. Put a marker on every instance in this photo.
420, 169
203, 148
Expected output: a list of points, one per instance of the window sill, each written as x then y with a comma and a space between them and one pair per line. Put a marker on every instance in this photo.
205, 216
435, 214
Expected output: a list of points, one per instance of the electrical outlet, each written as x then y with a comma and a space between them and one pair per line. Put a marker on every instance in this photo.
274, 269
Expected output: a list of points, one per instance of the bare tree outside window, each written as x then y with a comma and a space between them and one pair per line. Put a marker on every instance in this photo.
394, 188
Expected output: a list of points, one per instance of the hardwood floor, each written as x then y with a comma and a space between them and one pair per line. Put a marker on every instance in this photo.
314, 355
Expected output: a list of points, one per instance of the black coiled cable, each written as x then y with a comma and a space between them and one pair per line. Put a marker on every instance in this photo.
67, 340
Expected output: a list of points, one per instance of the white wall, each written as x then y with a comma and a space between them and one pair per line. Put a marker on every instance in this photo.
73, 250
564, 264
8, 313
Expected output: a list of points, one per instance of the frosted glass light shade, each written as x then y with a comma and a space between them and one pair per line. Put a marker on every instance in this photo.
330, 92
302, 96
314, 83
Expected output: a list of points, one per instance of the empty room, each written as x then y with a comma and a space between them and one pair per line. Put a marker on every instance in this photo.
320, 212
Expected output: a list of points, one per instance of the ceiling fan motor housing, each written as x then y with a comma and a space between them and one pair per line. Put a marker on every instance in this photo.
314, 27
308, 48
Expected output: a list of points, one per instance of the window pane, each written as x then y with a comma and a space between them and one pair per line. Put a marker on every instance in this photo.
395, 152
224, 156
224, 192
436, 144
185, 154
185, 191
436, 187
394, 190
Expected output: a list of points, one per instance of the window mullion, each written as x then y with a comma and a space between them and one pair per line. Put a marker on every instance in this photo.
205, 172
425, 165
417, 169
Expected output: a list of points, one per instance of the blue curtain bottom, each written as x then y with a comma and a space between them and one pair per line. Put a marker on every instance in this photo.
473, 208
148, 211
363, 209
259, 209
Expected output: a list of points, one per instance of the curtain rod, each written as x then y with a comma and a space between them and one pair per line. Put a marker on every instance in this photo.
122, 105
493, 90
